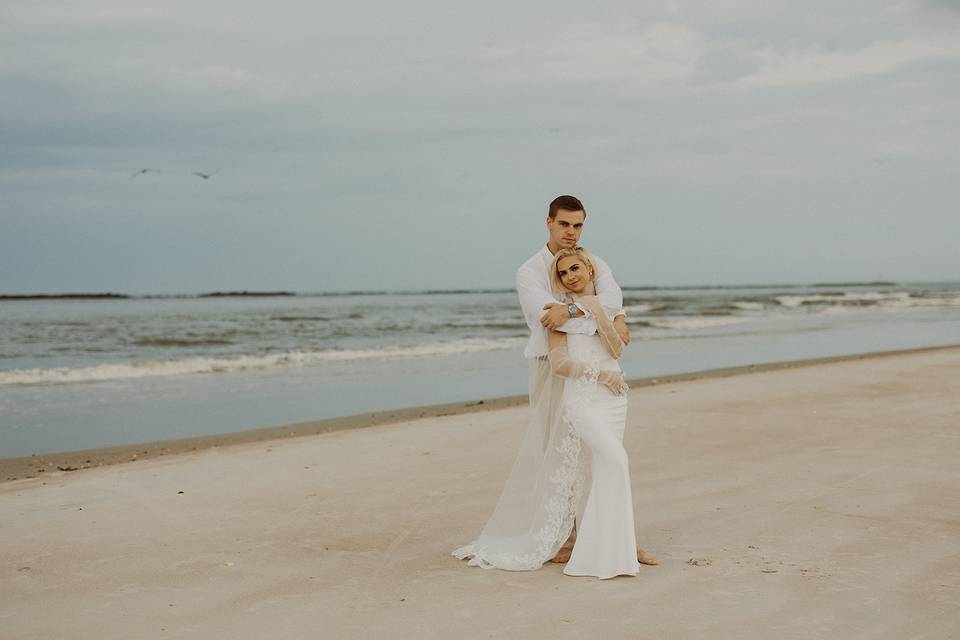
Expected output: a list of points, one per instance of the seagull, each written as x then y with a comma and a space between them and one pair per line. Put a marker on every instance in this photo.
142, 171
206, 176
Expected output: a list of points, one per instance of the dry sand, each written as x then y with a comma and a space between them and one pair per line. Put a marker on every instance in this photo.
811, 502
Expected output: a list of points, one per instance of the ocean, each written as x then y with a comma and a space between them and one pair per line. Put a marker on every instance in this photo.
90, 372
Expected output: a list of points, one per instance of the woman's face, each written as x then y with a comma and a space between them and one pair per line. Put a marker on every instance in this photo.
574, 273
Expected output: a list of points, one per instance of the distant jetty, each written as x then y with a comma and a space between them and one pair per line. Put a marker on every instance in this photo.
876, 283
65, 296
124, 296
224, 294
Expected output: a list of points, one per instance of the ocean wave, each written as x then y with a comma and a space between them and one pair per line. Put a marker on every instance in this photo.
639, 323
639, 306
872, 299
124, 371
180, 342
718, 310
501, 325
301, 318
845, 298
946, 299
695, 322
934, 294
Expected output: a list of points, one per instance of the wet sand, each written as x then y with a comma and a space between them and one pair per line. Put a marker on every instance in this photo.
793, 501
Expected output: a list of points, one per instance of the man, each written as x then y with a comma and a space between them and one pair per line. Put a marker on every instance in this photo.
543, 312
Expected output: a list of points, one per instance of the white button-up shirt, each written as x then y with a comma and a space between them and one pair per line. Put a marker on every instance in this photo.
535, 291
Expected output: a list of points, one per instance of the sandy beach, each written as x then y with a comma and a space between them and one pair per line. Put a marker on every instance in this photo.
815, 501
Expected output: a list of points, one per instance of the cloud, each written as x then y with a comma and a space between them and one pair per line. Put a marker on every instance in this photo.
818, 65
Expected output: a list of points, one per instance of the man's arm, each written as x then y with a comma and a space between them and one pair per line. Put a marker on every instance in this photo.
533, 297
534, 300
608, 291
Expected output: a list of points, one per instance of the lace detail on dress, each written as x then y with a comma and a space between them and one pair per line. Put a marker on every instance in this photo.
559, 490
567, 479
568, 484
562, 506
581, 389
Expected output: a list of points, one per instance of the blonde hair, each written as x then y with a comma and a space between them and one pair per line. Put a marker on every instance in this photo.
566, 253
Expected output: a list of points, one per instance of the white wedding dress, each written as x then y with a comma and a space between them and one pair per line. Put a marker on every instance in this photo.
555, 481
606, 543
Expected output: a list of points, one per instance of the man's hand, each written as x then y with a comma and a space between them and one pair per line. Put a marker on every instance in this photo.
555, 317
620, 324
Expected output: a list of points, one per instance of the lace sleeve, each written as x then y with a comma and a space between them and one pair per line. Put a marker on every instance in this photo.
562, 365
605, 329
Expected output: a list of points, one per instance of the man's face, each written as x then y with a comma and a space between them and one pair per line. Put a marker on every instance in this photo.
566, 228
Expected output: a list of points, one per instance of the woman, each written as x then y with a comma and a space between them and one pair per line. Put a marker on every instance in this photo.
579, 397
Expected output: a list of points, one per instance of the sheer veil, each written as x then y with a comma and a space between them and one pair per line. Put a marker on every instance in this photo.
544, 494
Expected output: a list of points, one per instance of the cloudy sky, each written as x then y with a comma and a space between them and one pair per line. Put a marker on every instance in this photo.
411, 145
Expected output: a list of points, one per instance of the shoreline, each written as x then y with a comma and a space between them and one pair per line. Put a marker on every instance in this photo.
33, 466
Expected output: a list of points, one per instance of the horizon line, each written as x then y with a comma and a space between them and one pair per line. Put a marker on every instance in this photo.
452, 291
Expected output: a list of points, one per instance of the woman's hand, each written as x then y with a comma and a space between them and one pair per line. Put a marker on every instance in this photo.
614, 381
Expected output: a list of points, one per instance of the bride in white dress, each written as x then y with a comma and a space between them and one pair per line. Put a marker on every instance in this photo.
577, 396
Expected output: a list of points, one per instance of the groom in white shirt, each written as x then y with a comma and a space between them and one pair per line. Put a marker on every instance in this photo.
543, 311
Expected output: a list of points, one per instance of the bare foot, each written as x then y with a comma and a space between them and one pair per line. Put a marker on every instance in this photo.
563, 556
644, 558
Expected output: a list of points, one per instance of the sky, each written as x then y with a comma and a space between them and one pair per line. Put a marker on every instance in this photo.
373, 145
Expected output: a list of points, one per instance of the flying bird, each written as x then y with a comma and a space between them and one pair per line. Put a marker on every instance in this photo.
206, 176
143, 171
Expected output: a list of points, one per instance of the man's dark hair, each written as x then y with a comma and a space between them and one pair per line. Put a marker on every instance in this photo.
568, 203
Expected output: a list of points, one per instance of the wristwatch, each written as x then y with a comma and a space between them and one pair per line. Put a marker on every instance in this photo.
572, 310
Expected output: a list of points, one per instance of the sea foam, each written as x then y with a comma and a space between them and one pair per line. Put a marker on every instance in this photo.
296, 358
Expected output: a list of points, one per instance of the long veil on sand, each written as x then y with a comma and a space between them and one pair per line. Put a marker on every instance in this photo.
544, 492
